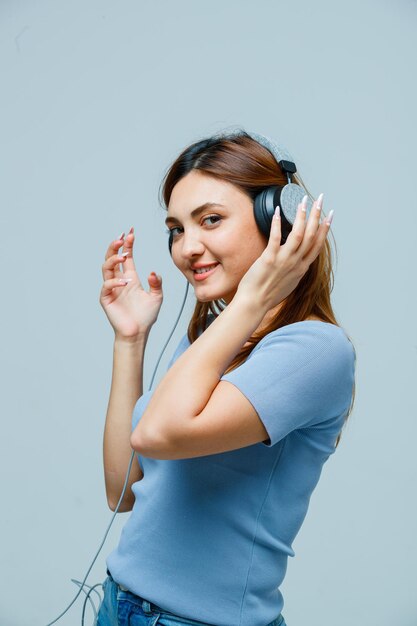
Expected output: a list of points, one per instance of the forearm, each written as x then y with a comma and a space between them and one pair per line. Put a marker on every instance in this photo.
126, 388
187, 386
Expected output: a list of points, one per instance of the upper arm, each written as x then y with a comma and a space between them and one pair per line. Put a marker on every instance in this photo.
228, 421
298, 378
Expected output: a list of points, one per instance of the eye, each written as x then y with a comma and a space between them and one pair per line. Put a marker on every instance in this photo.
212, 217
171, 231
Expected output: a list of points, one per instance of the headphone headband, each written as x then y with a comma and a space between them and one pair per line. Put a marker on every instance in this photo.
280, 153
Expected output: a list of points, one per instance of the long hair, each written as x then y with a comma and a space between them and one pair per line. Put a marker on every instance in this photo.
242, 161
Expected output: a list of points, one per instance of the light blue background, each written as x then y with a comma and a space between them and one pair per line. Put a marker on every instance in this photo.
97, 99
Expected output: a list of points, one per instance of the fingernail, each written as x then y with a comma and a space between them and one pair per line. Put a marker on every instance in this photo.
304, 203
277, 212
330, 217
125, 280
319, 202
124, 254
131, 230
121, 236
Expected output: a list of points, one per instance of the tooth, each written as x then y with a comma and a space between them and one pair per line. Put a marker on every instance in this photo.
203, 270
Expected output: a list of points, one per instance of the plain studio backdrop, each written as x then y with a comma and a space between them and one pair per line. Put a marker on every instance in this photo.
97, 99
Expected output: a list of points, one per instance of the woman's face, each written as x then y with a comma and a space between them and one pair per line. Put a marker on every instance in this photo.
222, 238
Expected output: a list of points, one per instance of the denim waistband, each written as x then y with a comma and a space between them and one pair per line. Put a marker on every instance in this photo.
146, 605
121, 586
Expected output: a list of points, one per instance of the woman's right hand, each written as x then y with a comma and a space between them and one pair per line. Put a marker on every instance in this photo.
130, 309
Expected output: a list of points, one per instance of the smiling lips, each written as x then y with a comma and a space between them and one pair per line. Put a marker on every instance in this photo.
202, 271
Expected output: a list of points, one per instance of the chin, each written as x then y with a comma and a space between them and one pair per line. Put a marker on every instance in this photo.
214, 295
208, 298
208, 293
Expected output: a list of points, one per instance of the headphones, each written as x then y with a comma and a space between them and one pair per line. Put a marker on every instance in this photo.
287, 197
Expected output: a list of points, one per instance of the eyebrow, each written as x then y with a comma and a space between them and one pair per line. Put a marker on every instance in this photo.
196, 212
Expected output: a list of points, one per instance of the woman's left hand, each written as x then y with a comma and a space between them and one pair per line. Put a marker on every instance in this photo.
279, 269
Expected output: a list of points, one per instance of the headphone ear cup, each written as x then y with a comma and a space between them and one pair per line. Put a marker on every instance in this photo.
291, 196
264, 209
287, 198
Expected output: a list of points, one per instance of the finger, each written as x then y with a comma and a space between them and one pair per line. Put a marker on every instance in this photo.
111, 267
320, 239
155, 283
111, 251
312, 225
114, 246
274, 241
129, 265
296, 236
315, 214
113, 283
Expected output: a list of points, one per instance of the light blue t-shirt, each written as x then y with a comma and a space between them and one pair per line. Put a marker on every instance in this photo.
209, 537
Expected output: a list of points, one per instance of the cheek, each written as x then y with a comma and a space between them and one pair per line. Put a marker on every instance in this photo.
239, 237
250, 247
241, 249
237, 265
177, 260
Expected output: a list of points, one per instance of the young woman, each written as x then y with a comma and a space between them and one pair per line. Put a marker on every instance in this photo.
232, 441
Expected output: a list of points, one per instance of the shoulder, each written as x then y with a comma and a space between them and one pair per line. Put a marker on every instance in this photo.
311, 351
309, 336
302, 372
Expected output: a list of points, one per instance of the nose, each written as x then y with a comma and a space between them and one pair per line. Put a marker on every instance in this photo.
191, 244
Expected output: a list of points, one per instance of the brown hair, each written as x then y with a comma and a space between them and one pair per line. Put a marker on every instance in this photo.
242, 161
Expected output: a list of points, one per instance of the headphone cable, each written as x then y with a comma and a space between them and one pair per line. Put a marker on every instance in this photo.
83, 583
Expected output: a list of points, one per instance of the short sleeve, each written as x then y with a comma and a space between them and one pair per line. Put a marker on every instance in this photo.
298, 376
185, 343
182, 346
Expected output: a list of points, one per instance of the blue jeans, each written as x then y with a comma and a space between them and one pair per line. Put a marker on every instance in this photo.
123, 608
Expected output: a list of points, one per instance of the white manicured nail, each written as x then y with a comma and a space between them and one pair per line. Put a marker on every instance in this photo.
330, 217
304, 203
319, 202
